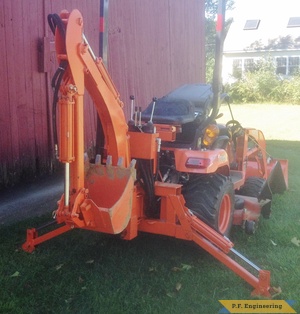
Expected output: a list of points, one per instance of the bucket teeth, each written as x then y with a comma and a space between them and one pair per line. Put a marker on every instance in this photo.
132, 164
98, 159
109, 160
120, 162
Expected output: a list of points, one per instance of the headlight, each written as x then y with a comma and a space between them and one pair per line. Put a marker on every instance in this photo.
210, 134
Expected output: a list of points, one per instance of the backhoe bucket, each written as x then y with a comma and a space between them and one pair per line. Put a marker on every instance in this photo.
104, 206
108, 206
278, 176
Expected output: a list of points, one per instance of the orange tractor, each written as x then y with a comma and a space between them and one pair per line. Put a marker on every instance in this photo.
171, 170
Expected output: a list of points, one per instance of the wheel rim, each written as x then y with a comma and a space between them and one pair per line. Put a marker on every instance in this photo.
224, 213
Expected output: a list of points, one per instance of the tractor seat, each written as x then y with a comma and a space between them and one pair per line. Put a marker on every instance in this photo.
186, 104
168, 111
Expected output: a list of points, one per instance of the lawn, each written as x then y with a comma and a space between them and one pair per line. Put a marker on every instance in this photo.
86, 272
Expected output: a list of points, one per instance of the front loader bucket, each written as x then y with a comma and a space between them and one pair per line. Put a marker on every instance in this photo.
108, 206
278, 176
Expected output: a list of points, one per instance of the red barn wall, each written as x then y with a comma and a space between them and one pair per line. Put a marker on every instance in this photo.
154, 46
25, 91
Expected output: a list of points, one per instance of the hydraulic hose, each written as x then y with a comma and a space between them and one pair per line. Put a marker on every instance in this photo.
145, 168
55, 83
55, 22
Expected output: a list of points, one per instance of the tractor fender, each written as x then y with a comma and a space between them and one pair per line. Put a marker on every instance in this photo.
201, 161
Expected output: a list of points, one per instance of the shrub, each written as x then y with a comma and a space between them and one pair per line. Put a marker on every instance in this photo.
263, 85
291, 90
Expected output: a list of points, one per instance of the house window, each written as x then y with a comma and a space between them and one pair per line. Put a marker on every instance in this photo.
281, 65
237, 68
251, 24
287, 65
249, 65
293, 65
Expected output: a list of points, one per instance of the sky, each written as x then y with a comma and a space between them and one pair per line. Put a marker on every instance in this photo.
273, 16
257, 8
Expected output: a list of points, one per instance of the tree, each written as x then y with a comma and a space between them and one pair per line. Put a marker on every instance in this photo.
211, 8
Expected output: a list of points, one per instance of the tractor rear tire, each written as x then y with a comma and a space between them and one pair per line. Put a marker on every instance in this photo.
211, 198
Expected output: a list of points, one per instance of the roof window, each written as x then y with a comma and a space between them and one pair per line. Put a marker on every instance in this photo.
294, 21
251, 24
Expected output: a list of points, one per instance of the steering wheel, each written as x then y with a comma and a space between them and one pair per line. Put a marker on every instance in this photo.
235, 127
233, 124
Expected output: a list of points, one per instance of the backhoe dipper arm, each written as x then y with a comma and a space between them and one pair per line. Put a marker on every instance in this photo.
86, 71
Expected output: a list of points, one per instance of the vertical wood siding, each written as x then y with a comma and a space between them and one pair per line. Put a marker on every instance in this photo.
154, 46
25, 91
23, 123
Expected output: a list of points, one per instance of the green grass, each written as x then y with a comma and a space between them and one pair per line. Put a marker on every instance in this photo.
86, 272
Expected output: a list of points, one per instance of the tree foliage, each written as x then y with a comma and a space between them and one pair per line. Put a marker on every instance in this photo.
211, 8
281, 42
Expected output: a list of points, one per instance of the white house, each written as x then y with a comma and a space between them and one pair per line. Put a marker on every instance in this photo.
268, 32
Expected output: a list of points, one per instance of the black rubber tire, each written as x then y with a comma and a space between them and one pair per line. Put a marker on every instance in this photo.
253, 187
211, 198
250, 227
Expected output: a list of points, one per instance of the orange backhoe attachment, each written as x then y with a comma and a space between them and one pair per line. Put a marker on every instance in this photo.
105, 195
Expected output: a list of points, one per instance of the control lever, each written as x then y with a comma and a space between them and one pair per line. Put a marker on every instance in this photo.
140, 117
149, 127
135, 115
131, 106
131, 122
153, 108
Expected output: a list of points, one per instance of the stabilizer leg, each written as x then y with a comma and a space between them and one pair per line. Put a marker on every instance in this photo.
220, 247
261, 283
33, 239
177, 221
